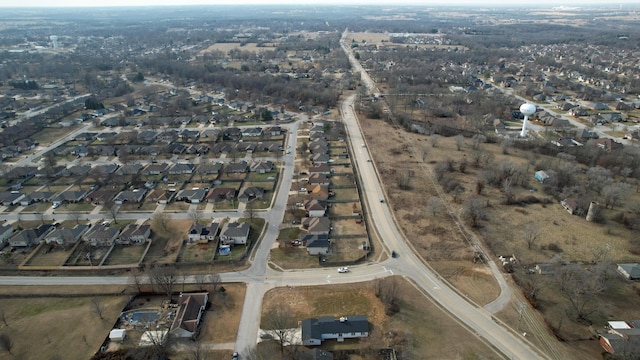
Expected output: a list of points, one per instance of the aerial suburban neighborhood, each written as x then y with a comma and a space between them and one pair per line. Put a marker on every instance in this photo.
339, 182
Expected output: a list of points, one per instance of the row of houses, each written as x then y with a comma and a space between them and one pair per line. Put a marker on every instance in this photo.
96, 235
232, 233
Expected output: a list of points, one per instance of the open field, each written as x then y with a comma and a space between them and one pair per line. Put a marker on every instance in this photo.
420, 329
47, 328
226, 47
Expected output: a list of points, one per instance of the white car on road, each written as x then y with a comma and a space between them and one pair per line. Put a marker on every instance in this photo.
343, 270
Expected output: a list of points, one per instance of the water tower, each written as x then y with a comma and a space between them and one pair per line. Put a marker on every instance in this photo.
54, 41
526, 110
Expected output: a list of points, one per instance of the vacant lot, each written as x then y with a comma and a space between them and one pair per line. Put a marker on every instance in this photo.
226, 47
48, 328
420, 329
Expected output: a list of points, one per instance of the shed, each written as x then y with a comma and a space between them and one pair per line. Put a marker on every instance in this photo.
541, 176
117, 335
630, 271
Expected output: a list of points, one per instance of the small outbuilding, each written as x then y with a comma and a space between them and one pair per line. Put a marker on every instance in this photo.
630, 271
117, 335
541, 176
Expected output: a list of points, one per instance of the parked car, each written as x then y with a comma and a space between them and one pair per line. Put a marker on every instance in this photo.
235, 356
343, 270
394, 254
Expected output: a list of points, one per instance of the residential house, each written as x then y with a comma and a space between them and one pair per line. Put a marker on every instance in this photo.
202, 233
235, 233
129, 169
315, 208
317, 244
208, 169
247, 147
130, 196
5, 233
273, 131
222, 148
21, 172
155, 169
182, 169
251, 193
221, 194
317, 225
147, 136
193, 196
37, 197
101, 171
320, 169
51, 172
320, 159
622, 339
30, 237
77, 170
161, 196
232, 134
101, 196
69, 196
210, 134
191, 309
252, 132
134, 234
101, 235
176, 148
80, 151
261, 167
198, 148
319, 192
608, 144
66, 236
239, 167
8, 198
630, 271
189, 135
315, 331
318, 179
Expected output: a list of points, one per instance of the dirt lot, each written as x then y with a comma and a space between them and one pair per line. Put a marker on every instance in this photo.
47, 328
420, 329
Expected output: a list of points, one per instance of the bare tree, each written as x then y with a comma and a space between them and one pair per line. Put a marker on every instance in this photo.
3, 317
459, 141
97, 307
387, 292
6, 343
615, 193
580, 288
434, 140
160, 224
201, 281
75, 216
475, 210
164, 279
434, 205
262, 352
250, 211
114, 209
136, 276
531, 233
281, 322
214, 281
195, 215
403, 179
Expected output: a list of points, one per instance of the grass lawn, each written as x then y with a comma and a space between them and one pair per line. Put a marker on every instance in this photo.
293, 258
221, 321
50, 255
225, 205
125, 254
49, 135
177, 206
269, 177
198, 252
346, 194
87, 255
341, 209
420, 329
343, 180
83, 207
347, 227
63, 328
346, 249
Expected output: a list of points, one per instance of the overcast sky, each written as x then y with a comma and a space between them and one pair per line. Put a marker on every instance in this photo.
85, 3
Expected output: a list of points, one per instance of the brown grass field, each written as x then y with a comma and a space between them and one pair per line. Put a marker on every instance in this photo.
73, 330
226, 47
420, 329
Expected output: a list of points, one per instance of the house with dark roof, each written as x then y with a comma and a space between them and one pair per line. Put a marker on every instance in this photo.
181, 169
37, 197
130, 196
11, 197
239, 167
569, 205
630, 271
129, 169
193, 196
221, 194
30, 237
5, 233
134, 234
101, 196
318, 179
101, 235
155, 169
317, 225
209, 168
315, 331
315, 208
191, 309
235, 233
251, 193
317, 244
622, 339
69, 196
320, 159
66, 236
261, 167
202, 233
